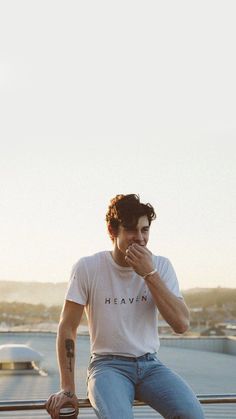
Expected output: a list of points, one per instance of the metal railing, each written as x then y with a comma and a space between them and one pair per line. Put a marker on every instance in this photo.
10, 405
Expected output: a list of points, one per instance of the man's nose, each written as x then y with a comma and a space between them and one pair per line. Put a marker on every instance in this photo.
139, 237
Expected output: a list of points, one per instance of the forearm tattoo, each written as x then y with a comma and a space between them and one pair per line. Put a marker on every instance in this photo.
70, 346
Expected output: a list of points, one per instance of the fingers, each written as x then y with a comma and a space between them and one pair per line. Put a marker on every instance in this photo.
129, 257
58, 400
138, 249
48, 404
139, 258
133, 256
135, 252
134, 247
132, 251
51, 407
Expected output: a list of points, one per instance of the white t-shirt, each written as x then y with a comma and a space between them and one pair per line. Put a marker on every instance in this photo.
122, 315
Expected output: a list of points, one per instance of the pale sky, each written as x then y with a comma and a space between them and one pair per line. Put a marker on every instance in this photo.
101, 98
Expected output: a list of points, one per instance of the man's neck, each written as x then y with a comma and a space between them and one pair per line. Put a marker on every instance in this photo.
119, 257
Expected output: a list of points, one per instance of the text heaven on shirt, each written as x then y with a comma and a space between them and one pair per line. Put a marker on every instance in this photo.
126, 300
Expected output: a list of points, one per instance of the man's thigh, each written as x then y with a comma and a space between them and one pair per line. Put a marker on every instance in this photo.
166, 392
111, 391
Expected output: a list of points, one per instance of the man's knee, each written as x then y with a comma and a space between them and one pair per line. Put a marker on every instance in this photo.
107, 412
194, 411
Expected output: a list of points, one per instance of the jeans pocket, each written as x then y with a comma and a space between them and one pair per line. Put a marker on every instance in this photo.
94, 362
156, 359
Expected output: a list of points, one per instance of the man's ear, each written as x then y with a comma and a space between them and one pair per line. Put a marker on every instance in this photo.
112, 233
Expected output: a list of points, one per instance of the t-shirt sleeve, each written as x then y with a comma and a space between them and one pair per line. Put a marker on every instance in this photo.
168, 275
77, 290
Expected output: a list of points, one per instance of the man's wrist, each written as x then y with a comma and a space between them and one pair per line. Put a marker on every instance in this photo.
150, 273
69, 393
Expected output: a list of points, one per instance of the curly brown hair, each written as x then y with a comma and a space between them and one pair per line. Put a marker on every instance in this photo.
125, 210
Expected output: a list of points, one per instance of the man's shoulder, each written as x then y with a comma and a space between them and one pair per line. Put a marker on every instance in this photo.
162, 263
87, 266
161, 260
91, 259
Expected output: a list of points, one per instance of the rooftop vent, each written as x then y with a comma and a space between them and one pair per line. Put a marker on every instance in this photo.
19, 359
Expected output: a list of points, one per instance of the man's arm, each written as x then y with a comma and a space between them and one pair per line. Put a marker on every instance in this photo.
66, 339
172, 308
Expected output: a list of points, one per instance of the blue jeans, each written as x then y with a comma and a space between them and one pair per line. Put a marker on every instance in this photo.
115, 381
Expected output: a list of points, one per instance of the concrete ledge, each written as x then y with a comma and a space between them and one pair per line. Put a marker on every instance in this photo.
220, 344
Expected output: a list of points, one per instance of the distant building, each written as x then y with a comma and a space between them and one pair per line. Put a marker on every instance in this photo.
213, 331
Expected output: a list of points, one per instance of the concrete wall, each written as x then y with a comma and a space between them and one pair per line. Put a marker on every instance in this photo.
224, 344
230, 344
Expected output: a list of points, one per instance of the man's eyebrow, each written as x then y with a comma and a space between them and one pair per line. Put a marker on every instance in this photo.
135, 227
129, 227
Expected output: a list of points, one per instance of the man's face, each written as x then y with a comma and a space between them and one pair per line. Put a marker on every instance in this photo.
138, 234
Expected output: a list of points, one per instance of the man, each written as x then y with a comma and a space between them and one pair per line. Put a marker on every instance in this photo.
122, 292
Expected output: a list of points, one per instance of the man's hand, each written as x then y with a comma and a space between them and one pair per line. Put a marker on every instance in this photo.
140, 259
57, 400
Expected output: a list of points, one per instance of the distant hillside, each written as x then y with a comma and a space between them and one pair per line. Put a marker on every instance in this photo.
51, 294
196, 290
208, 297
46, 293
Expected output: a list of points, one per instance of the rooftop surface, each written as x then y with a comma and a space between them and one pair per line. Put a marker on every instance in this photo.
206, 372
